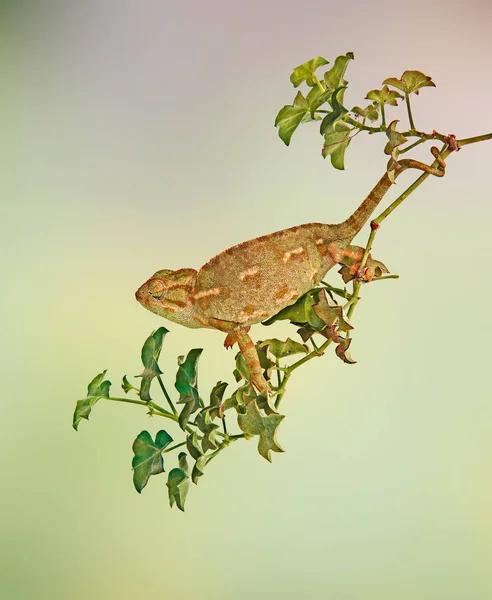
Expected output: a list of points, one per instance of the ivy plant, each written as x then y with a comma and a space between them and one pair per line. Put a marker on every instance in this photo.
209, 425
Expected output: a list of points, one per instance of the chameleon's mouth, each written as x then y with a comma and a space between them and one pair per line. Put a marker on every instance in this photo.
142, 294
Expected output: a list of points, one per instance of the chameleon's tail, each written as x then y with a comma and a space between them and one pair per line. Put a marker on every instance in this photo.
355, 222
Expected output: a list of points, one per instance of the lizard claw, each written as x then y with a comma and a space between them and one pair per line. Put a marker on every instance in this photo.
230, 340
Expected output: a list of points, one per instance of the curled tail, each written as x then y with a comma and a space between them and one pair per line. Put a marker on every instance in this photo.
355, 222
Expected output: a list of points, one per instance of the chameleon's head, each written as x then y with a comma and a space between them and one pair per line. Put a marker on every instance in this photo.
170, 295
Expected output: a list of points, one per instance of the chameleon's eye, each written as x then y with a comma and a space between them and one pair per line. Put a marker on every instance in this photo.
157, 289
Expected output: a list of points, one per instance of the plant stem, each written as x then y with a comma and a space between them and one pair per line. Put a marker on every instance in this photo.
472, 140
168, 398
281, 389
354, 297
224, 426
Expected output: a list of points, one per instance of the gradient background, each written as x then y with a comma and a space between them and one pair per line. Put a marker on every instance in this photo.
138, 136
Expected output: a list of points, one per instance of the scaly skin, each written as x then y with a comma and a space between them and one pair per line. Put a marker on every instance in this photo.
253, 281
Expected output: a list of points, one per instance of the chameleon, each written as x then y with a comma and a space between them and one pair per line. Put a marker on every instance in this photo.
254, 280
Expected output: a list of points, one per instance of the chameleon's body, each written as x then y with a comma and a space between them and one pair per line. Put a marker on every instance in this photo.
253, 281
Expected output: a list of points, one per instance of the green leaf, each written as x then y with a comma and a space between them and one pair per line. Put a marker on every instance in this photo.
216, 395
186, 385
411, 81
338, 111
384, 96
265, 362
151, 351
183, 463
288, 120
178, 484
127, 386
198, 469
97, 388
241, 371
193, 445
305, 72
300, 312
331, 313
148, 457
370, 112
395, 139
281, 349
316, 98
334, 77
254, 423
205, 425
336, 142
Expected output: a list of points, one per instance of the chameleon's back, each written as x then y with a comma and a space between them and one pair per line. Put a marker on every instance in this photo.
254, 280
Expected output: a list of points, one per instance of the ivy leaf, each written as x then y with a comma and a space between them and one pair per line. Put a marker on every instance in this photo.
281, 349
300, 101
336, 142
334, 77
289, 118
216, 395
193, 445
127, 386
338, 111
241, 371
331, 313
198, 469
411, 81
316, 98
395, 139
186, 385
254, 423
370, 112
178, 484
342, 351
305, 72
207, 427
300, 312
265, 363
151, 351
384, 96
148, 457
183, 463
97, 388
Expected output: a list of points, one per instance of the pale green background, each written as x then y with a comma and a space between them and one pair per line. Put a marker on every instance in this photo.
138, 136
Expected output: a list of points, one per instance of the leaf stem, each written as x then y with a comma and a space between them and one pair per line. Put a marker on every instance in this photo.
168, 398
338, 291
409, 110
173, 447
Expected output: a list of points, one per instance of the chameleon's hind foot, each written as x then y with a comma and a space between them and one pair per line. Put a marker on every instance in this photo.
351, 266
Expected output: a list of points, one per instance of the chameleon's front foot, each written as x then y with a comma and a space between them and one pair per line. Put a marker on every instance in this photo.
231, 338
